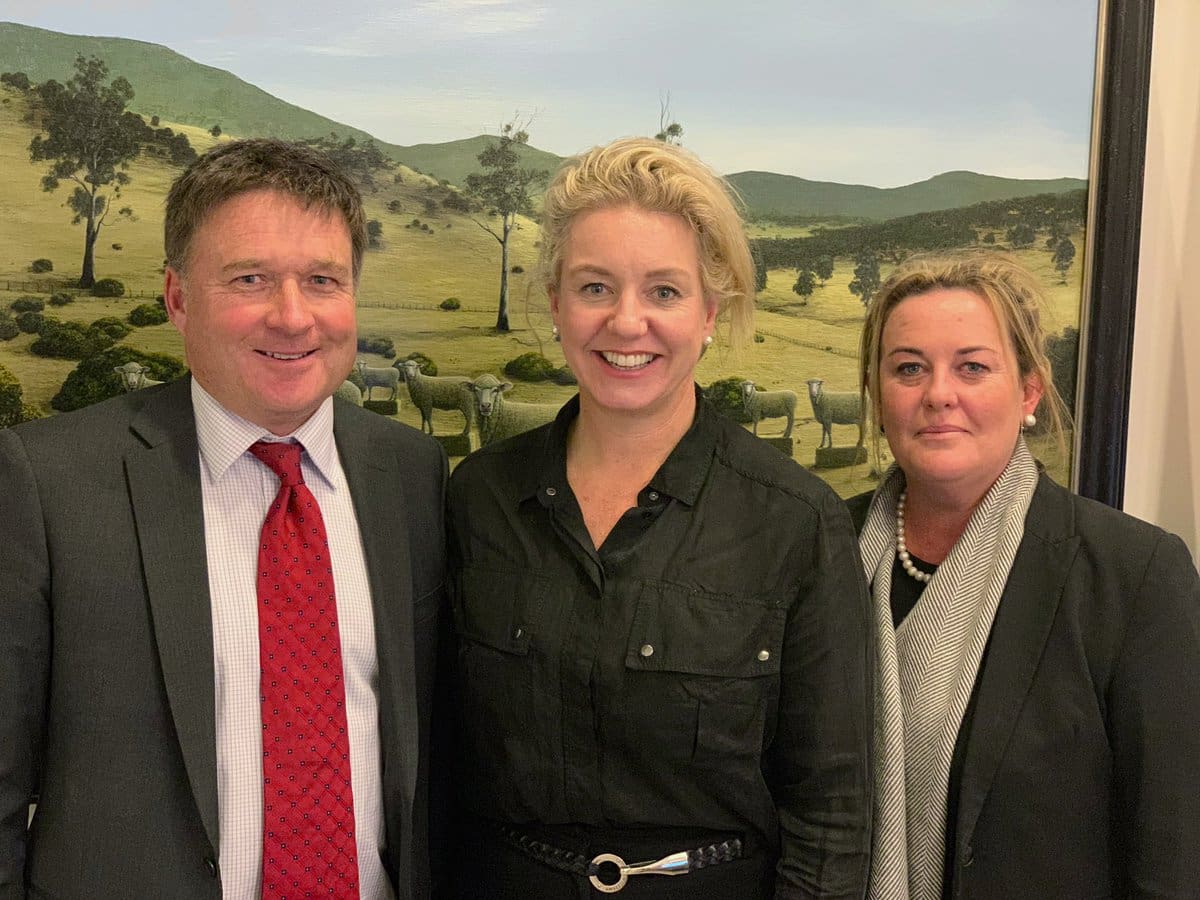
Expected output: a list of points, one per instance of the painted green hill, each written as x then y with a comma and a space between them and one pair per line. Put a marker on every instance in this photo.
177, 89
767, 194
180, 90
454, 160
165, 83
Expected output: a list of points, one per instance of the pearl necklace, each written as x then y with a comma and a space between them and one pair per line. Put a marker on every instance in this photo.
902, 547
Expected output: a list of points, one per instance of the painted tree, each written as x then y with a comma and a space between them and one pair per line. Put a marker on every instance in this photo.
669, 131
1021, 235
374, 234
89, 139
504, 187
823, 268
760, 267
866, 279
1064, 255
360, 161
806, 283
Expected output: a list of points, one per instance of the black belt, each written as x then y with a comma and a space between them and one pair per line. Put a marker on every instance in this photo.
578, 864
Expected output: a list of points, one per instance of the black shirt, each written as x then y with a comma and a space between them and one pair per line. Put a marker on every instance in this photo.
706, 669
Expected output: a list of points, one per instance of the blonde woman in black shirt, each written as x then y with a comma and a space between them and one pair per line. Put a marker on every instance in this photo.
662, 655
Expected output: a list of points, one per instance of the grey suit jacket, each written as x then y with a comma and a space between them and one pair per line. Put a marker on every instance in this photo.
106, 649
1082, 770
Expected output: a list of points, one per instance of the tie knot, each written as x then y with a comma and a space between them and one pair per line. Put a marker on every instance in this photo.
282, 458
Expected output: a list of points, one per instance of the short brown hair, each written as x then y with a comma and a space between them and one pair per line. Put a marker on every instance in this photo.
255, 164
658, 177
1009, 289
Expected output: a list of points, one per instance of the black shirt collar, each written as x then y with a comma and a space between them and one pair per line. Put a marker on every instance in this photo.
681, 475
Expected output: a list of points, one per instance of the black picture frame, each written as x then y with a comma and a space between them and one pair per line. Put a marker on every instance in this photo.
1125, 37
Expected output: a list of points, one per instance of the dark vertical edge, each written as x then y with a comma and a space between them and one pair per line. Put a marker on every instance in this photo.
1103, 412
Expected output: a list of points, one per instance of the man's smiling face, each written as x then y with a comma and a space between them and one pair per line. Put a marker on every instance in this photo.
266, 307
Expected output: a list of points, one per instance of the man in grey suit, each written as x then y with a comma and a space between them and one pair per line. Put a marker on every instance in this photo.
131, 707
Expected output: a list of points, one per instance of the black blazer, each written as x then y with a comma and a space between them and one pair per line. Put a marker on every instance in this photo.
1082, 770
106, 668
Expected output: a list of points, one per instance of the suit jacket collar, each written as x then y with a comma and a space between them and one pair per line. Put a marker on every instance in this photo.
163, 474
374, 473
1022, 626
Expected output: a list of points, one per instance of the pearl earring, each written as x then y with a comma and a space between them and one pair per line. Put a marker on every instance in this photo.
708, 340
1029, 421
554, 331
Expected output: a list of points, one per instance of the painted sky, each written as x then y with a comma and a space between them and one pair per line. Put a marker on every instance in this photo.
858, 91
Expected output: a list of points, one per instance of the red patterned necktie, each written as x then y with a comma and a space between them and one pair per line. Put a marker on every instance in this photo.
308, 804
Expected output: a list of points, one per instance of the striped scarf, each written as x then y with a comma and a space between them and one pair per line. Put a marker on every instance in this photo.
927, 672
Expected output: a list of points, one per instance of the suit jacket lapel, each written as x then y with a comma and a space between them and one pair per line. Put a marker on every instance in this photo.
374, 475
164, 487
1019, 634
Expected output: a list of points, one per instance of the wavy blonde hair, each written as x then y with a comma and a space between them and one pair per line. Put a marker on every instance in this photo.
658, 177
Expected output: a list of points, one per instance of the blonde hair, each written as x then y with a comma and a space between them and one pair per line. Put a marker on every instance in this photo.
1015, 298
658, 177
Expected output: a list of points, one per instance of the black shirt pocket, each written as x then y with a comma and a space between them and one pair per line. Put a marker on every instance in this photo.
495, 613
714, 662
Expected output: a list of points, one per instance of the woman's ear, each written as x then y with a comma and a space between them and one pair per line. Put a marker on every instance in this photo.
712, 306
1032, 391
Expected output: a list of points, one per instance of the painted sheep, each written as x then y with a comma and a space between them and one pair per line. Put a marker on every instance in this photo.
430, 392
349, 392
386, 377
133, 376
835, 408
499, 418
769, 405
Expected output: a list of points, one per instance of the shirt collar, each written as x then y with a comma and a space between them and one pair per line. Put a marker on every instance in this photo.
224, 436
681, 475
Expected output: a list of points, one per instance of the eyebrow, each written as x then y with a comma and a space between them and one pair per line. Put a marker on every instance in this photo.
962, 351
667, 272
317, 265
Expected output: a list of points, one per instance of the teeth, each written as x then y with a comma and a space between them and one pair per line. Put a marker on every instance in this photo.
285, 355
627, 360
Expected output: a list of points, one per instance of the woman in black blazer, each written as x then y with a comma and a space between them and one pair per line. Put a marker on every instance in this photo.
1038, 709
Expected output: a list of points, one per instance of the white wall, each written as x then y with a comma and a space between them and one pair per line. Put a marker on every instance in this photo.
1162, 471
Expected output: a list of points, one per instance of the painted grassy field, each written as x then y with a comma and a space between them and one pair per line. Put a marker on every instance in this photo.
416, 268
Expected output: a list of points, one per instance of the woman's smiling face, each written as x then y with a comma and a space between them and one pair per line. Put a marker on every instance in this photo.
631, 310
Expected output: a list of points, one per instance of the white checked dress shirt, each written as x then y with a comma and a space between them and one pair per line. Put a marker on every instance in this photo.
237, 489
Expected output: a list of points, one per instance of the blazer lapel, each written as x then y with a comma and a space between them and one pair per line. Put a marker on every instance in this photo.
1022, 626
376, 485
164, 487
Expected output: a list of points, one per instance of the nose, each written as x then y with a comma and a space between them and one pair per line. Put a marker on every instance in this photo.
940, 390
628, 319
290, 310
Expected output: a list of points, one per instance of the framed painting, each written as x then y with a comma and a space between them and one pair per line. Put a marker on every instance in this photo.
855, 135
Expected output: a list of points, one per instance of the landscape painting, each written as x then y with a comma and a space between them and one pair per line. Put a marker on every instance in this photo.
856, 134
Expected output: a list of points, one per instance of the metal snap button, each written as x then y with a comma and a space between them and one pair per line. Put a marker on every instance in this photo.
518, 633
550, 492
653, 495
764, 655
647, 650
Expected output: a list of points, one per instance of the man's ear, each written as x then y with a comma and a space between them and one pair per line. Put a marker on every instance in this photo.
173, 298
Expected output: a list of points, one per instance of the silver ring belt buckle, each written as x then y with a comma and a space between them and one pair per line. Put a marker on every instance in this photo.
675, 864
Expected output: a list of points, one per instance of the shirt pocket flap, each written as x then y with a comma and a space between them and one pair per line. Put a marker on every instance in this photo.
496, 606
682, 629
